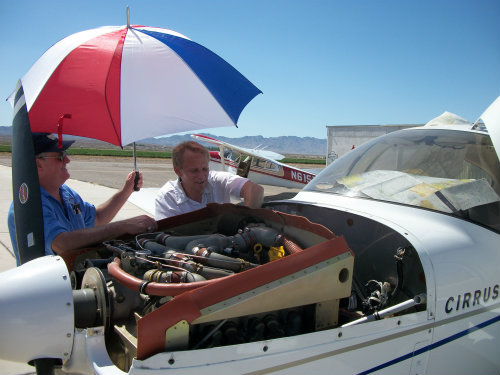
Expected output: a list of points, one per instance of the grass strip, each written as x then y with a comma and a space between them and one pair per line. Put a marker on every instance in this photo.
156, 154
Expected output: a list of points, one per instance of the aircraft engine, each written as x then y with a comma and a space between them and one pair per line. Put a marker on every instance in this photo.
129, 279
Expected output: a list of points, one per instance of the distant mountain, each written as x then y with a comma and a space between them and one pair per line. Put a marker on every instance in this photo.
290, 145
284, 144
6, 130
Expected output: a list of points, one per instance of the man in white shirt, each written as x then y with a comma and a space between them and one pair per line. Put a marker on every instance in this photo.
197, 185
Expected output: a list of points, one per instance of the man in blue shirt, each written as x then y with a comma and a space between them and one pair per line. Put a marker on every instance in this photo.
69, 222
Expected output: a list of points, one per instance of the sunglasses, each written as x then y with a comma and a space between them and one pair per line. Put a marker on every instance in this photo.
61, 157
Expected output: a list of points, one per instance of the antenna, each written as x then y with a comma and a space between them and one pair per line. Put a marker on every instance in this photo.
128, 18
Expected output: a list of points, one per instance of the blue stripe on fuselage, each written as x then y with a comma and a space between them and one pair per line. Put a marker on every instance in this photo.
433, 346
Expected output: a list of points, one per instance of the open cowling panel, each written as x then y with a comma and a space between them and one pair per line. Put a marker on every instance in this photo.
222, 275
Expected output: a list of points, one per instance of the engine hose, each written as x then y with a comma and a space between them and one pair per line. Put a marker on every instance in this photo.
243, 241
182, 260
214, 273
155, 289
204, 256
247, 237
113, 248
172, 257
217, 242
290, 246
262, 234
213, 259
160, 276
178, 242
155, 248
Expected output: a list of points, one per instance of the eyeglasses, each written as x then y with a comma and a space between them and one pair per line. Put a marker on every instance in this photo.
61, 157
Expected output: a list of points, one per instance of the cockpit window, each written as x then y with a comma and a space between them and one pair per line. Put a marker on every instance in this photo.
451, 171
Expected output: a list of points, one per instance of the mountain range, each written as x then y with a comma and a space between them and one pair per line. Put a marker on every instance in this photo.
288, 145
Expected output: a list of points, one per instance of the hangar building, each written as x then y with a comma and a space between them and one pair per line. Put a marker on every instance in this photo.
343, 138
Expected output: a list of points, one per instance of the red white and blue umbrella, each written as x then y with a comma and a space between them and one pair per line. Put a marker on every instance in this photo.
121, 84
118, 84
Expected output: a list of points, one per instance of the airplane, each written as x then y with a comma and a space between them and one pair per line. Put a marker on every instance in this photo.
386, 262
259, 166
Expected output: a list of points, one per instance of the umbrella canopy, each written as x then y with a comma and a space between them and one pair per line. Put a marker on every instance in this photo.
121, 84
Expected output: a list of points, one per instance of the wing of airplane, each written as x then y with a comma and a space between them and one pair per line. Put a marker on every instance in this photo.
145, 199
266, 154
259, 166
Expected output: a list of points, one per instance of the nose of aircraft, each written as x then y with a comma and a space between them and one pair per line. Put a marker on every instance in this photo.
37, 312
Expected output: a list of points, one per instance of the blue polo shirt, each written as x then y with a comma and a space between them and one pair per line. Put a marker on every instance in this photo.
72, 215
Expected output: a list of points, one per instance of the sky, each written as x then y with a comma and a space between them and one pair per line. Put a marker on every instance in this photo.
318, 63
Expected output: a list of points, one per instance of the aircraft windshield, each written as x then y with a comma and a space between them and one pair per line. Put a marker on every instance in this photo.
451, 171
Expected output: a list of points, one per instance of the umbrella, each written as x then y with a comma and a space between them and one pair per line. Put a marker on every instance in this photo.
120, 84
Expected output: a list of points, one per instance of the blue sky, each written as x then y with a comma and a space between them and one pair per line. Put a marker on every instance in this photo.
318, 62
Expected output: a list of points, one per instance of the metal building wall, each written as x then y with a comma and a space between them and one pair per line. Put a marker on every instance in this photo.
343, 138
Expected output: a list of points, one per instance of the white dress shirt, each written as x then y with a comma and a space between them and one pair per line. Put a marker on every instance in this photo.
171, 200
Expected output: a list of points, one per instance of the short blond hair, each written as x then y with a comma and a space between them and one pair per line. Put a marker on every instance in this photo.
178, 152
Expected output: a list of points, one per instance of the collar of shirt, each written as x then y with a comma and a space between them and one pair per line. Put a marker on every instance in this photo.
180, 194
63, 192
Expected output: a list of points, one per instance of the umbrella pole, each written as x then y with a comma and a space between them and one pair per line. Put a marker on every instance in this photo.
136, 179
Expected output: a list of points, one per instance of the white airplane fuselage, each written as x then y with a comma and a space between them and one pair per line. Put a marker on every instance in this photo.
265, 172
458, 332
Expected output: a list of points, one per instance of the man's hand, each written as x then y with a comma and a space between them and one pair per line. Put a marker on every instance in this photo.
68, 241
252, 194
129, 182
140, 224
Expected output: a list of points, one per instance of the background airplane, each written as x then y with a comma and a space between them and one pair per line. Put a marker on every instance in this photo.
259, 166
